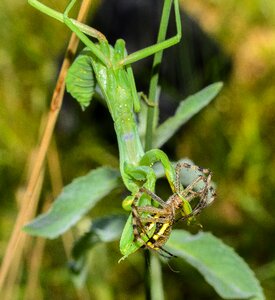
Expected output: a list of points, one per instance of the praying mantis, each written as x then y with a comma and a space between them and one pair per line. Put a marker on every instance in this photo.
111, 67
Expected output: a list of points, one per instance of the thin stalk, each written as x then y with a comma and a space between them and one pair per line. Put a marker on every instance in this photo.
147, 273
157, 291
155, 76
151, 115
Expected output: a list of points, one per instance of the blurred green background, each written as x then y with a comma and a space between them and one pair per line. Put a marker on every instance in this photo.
233, 137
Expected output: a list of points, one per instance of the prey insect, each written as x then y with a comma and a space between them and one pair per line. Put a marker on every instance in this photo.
152, 225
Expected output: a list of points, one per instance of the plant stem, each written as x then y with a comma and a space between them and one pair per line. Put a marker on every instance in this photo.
150, 126
157, 291
151, 114
147, 273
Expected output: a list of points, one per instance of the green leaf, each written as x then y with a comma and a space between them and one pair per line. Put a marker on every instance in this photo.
221, 267
80, 80
75, 200
104, 229
186, 110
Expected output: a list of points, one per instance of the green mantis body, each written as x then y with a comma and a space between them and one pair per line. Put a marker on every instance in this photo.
114, 75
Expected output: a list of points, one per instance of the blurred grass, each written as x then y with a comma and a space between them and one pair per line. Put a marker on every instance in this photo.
233, 137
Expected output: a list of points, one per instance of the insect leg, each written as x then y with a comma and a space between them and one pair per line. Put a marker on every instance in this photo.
138, 55
153, 196
105, 60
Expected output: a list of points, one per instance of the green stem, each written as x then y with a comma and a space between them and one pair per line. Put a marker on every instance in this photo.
151, 114
155, 76
147, 275
157, 291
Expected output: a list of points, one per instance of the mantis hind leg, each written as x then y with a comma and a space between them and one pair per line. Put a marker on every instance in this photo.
69, 7
164, 44
86, 41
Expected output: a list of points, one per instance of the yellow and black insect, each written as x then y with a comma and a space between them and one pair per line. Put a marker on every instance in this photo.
152, 226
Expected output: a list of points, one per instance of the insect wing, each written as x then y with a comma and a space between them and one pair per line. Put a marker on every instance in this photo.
80, 80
